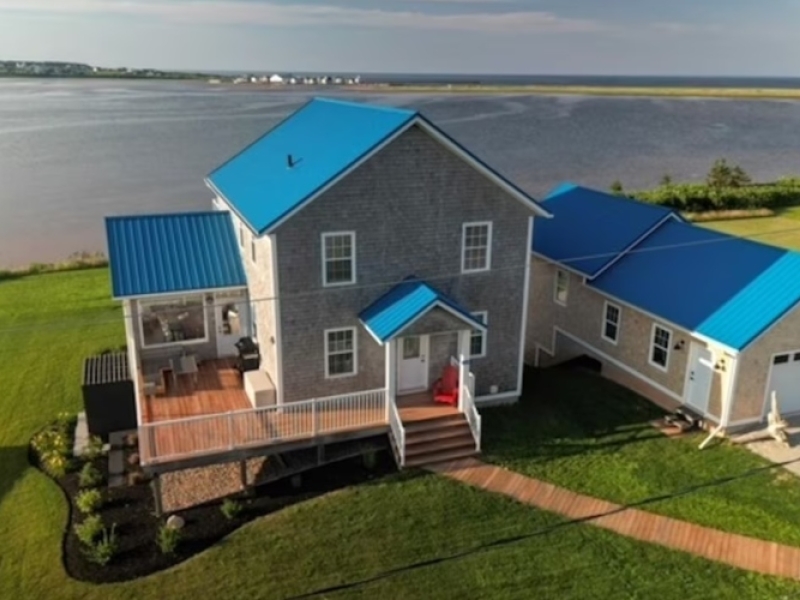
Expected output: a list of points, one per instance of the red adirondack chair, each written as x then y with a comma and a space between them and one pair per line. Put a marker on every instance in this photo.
445, 390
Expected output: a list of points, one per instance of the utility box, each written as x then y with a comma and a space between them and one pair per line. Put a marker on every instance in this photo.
109, 398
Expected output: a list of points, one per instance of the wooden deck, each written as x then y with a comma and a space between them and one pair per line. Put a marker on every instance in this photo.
421, 407
218, 390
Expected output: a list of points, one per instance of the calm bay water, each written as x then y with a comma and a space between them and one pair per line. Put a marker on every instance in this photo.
74, 151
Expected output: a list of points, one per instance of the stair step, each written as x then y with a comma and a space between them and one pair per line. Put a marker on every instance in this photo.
440, 445
436, 457
428, 424
440, 433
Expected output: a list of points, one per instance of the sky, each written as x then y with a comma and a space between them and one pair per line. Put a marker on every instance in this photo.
598, 37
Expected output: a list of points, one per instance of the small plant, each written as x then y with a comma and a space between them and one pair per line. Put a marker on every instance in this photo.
168, 539
89, 501
94, 448
89, 529
133, 459
89, 476
104, 549
231, 508
53, 445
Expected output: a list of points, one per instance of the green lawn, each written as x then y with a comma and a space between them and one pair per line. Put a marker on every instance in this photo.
769, 230
366, 534
592, 436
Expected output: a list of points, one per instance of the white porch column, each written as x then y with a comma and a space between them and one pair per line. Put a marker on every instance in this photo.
463, 366
391, 374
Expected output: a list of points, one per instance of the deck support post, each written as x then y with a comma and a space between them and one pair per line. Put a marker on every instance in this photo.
320, 454
157, 495
243, 473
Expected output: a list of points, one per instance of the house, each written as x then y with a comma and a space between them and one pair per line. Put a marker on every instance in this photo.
366, 253
275, 79
681, 314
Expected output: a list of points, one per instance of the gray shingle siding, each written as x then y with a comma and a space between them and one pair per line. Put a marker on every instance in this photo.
407, 206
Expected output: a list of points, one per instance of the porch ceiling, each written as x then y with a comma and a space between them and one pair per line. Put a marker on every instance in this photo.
407, 303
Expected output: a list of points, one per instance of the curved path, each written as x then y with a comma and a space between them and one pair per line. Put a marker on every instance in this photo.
751, 554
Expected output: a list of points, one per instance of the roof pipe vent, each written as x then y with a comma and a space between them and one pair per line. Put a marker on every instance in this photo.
290, 162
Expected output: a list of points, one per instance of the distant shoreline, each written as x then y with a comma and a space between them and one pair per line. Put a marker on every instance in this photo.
584, 90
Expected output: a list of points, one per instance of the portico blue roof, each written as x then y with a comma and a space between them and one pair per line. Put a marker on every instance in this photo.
390, 314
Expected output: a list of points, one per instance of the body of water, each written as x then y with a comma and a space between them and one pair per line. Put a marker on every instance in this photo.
72, 152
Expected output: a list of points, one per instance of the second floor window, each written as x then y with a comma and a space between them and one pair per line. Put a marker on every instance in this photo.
561, 290
476, 247
338, 258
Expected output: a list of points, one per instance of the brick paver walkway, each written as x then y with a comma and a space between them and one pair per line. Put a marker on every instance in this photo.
740, 551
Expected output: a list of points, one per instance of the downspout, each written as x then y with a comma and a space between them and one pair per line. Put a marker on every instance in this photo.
727, 405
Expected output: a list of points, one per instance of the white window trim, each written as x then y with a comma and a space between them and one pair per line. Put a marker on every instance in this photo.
325, 236
253, 250
328, 354
484, 317
145, 346
488, 225
652, 345
241, 236
603, 335
566, 286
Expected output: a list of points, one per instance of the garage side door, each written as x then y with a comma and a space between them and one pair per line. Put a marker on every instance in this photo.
785, 382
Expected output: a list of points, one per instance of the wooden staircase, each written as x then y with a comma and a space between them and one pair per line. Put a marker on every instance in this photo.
438, 439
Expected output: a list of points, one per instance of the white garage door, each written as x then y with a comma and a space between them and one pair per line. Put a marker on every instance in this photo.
785, 382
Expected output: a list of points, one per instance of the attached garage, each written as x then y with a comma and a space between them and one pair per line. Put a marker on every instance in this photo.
784, 380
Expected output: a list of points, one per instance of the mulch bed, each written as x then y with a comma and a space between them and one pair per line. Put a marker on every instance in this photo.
132, 509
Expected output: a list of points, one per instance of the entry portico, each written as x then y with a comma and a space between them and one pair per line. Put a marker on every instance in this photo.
422, 330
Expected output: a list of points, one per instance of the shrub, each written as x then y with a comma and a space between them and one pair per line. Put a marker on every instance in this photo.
89, 501
104, 549
168, 539
133, 459
89, 476
231, 508
94, 448
53, 445
89, 529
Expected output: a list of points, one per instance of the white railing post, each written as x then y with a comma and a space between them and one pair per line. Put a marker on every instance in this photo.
231, 443
314, 419
462, 375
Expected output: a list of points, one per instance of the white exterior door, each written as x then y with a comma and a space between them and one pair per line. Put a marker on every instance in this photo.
701, 373
412, 364
784, 380
231, 319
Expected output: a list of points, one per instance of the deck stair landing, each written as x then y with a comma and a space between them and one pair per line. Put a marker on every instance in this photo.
434, 432
437, 440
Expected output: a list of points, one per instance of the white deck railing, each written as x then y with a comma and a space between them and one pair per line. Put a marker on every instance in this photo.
163, 441
472, 414
398, 433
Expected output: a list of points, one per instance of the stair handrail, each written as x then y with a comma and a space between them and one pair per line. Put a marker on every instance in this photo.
398, 432
472, 414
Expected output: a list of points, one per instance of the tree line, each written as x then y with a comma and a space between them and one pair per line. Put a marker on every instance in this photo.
726, 187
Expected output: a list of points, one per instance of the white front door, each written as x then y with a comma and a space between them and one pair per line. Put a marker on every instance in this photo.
701, 373
231, 319
412, 364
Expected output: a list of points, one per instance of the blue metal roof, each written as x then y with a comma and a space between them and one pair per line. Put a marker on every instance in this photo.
684, 274
589, 223
758, 305
324, 138
399, 307
162, 254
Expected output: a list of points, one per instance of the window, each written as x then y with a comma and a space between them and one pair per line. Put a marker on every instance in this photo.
781, 359
172, 321
241, 236
253, 250
561, 291
659, 352
340, 352
611, 323
477, 341
476, 247
338, 258
254, 324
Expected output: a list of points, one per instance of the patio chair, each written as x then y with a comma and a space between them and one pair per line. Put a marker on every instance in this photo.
445, 389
